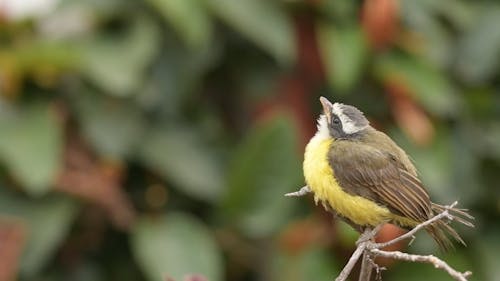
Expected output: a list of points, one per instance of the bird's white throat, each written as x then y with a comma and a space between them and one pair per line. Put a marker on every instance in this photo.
323, 132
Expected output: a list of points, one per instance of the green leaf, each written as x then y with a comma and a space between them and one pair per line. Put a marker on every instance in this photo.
479, 55
48, 220
343, 11
344, 52
313, 263
113, 127
180, 156
31, 146
264, 167
189, 18
176, 76
49, 223
261, 21
347, 235
417, 14
466, 165
117, 63
428, 85
487, 254
176, 245
430, 21
485, 138
41, 56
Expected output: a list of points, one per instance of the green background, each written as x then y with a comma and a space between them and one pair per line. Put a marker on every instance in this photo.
155, 138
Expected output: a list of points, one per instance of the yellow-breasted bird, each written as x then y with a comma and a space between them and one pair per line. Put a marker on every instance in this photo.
367, 179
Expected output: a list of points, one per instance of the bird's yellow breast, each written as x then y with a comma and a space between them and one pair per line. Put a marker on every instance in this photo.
320, 178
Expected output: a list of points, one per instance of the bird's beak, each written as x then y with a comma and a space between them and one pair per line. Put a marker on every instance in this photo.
327, 107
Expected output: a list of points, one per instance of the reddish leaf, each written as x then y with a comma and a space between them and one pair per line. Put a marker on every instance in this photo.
387, 233
10, 80
12, 240
294, 89
380, 21
292, 98
295, 95
299, 235
309, 60
412, 119
99, 183
195, 277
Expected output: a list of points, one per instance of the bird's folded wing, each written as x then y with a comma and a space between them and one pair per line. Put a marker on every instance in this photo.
379, 176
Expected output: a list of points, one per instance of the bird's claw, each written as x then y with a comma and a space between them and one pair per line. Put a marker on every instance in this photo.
364, 237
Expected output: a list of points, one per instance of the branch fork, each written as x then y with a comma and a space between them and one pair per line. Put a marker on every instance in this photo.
369, 249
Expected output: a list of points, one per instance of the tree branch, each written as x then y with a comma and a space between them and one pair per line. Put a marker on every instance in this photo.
303, 191
351, 263
438, 263
366, 267
368, 248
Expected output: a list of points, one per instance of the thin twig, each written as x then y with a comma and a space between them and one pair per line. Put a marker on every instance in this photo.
365, 272
366, 265
351, 263
303, 191
355, 256
411, 233
438, 263
378, 269
366, 247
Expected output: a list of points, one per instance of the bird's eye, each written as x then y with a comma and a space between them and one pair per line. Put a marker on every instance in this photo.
336, 121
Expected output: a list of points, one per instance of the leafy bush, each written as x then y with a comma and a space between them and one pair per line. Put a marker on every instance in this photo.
141, 140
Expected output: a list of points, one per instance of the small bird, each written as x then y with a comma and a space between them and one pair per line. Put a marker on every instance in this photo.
364, 177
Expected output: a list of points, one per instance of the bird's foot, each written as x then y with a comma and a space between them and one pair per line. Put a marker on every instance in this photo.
365, 237
369, 234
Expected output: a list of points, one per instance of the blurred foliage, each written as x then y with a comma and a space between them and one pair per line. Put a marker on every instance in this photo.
141, 140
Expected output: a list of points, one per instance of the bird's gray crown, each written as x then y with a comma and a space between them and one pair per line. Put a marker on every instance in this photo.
353, 120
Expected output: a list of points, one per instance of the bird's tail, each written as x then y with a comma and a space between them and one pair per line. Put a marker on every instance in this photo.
441, 231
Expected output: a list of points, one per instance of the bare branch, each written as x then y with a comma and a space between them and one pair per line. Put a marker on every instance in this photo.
366, 263
366, 267
438, 263
303, 191
368, 248
351, 263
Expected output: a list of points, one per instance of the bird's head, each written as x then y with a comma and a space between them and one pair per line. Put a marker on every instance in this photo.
340, 121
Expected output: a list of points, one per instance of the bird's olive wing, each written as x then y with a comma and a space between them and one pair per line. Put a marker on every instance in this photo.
379, 176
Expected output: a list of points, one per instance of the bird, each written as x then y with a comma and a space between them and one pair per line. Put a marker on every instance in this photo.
366, 179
